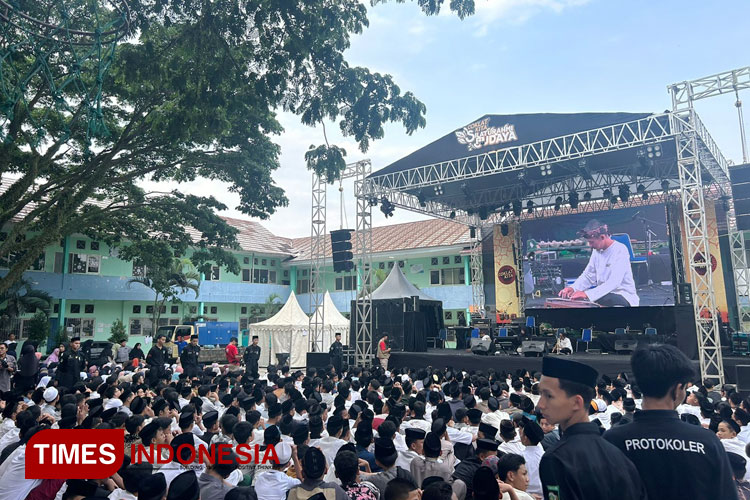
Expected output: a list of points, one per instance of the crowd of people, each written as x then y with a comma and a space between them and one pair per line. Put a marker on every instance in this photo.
353, 433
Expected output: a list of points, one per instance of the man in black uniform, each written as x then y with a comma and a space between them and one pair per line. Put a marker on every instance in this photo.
665, 450
252, 355
582, 465
155, 359
336, 351
468, 467
189, 358
72, 363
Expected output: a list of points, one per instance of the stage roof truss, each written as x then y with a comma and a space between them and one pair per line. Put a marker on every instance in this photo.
721, 83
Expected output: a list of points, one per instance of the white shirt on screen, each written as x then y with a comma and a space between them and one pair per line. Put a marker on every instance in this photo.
608, 271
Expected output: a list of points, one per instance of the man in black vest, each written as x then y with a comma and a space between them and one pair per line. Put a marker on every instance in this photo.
664, 449
72, 363
336, 351
189, 358
582, 465
252, 355
155, 359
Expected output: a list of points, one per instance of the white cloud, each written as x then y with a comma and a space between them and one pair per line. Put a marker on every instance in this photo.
489, 12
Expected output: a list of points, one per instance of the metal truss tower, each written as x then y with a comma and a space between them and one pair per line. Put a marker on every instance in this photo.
363, 353
317, 260
477, 281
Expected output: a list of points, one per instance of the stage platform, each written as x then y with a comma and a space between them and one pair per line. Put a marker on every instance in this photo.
610, 364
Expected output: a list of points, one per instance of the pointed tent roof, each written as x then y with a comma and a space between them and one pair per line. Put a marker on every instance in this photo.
396, 286
331, 315
289, 315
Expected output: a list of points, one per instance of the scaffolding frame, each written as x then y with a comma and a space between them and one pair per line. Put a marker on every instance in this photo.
317, 261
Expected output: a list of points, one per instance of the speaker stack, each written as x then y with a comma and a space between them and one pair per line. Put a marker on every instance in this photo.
740, 177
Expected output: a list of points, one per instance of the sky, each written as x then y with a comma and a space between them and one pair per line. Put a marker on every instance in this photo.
517, 56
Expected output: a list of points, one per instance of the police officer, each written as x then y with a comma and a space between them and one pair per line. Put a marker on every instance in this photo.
675, 459
189, 358
252, 355
155, 359
72, 363
582, 465
336, 352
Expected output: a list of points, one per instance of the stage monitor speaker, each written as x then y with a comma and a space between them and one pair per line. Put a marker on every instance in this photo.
743, 378
684, 293
625, 345
743, 222
482, 347
533, 347
739, 174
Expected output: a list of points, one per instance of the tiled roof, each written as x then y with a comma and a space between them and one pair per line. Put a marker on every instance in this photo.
253, 237
398, 237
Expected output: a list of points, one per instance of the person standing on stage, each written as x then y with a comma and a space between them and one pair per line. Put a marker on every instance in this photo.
608, 277
582, 465
384, 352
336, 352
189, 358
252, 355
664, 449
72, 363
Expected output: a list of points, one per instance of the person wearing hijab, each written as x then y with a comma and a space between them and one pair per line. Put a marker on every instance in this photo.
54, 357
28, 368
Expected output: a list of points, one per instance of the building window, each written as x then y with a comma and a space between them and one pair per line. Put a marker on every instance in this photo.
285, 282
94, 245
457, 259
448, 315
303, 286
264, 276
381, 265
434, 277
246, 260
174, 309
59, 262
243, 324
434, 261
162, 309
149, 309
193, 309
273, 263
81, 244
213, 309
446, 260
82, 327
243, 310
136, 309
75, 308
390, 265
286, 273
346, 283
246, 275
452, 276
215, 274
255, 261
88, 308
401, 263
139, 270
263, 262
56, 308
38, 264
272, 277
304, 272
84, 264
141, 326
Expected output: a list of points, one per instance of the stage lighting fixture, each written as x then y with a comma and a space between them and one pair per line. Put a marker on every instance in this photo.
644, 196
373, 202
452, 214
613, 200
558, 203
583, 167
641, 189
607, 193
386, 207
546, 170
504, 229
653, 151
421, 198
517, 207
472, 233
587, 196
506, 207
483, 213
530, 207
573, 200
665, 185
438, 190
624, 191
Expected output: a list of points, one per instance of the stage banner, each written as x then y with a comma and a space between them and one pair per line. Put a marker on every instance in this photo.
506, 272
717, 273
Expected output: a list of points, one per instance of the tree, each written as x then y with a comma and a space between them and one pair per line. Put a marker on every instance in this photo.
20, 298
39, 329
273, 304
117, 332
168, 280
193, 93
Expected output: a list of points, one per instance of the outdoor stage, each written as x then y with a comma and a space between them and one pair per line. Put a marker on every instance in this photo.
610, 364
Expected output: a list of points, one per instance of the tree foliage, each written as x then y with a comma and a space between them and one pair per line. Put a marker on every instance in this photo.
117, 332
39, 329
193, 94
21, 298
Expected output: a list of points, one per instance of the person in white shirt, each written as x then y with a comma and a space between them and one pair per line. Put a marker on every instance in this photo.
274, 484
511, 442
511, 469
338, 436
414, 441
608, 277
531, 435
727, 432
563, 345
743, 420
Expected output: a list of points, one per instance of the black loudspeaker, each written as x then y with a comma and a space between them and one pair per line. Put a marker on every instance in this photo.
684, 323
482, 348
533, 347
743, 378
684, 293
742, 207
318, 359
741, 191
625, 345
739, 174
743, 222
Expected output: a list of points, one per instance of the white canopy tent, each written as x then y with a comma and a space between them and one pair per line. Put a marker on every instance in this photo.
333, 321
286, 332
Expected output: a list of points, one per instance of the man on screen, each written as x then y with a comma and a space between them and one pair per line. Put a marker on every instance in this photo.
608, 278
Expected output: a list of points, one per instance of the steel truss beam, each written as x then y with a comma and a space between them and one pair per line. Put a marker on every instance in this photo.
684, 93
698, 255
477, 277
317, 260
518, 253
363, 310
